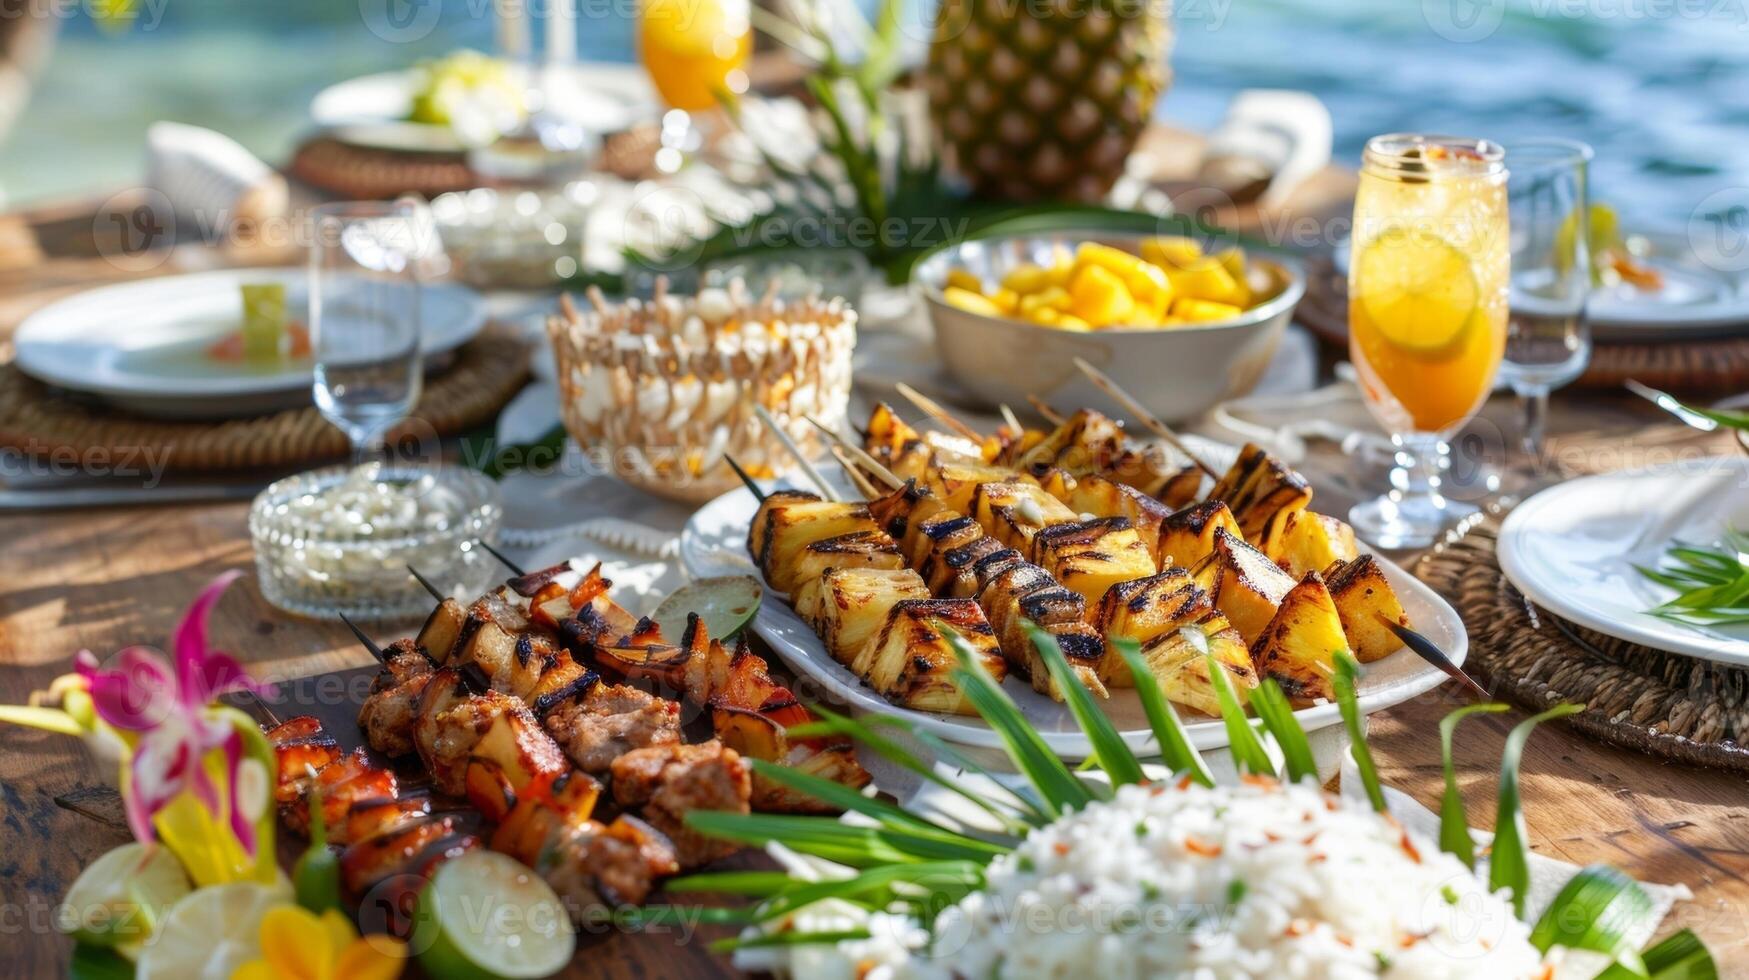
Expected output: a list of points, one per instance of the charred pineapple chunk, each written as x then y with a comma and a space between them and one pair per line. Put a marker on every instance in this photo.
1260, 489
952, 574
1086, 442
1145, 608
1013, 512
1175, 659
1096, 496
1298, 648
1181, 488
862, 549
1085, 651
887, 433
437, 637
795, 526
759, 530
897, 510
1308, 542
1366, 602
1246, 586
955, 484
1089, 557
847, 606
909, 661
940, 531
1188, 535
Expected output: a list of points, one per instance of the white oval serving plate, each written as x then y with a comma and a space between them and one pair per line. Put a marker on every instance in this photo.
141, 344
714, 543
1572, 549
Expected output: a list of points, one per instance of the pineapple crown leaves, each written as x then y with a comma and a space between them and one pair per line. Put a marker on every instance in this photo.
901, 861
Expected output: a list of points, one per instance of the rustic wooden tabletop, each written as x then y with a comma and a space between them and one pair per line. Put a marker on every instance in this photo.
104, 579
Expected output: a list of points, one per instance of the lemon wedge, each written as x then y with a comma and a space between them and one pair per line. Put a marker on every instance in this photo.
210, 932
1417, 289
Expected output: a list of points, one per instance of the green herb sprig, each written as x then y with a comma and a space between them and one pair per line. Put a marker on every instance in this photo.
1712, 583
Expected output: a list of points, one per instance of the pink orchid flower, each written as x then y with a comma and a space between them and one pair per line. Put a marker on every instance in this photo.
167, 709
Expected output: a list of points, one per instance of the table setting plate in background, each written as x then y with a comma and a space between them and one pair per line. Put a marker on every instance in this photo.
141, 345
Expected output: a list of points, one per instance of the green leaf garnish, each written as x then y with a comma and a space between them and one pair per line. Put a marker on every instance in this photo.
1277, 715
1109, 748
1454, 826
1248, 751
1345, 681
1509, 861
1175, 748
1596, 910
1680, 956
1711, 583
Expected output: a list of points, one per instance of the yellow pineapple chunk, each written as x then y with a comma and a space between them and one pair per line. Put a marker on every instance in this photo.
1088, 557
1193, 310
1069, 321
1246, 586
1100, 297
965, 279
848, 606
1298, 648
954, 483
1308, 542
1204, 279
1260, 489
1175, 659
910, 660
1171, 251
1026, 278
965, 299
1366, 601
794, 526
1006, 299
1013, 512
1097, 496
1053, 298
1188, 536
1143, 609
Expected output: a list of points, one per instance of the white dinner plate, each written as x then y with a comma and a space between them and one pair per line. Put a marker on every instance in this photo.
1572, 549
141, 345
371, 110
714, 543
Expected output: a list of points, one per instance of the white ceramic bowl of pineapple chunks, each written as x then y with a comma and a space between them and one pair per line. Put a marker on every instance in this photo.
1205, 338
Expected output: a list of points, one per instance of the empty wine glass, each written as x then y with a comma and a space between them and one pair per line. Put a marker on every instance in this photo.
1548, 340
365, 262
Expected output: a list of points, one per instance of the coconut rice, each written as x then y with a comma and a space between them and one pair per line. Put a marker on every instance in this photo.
1264, 879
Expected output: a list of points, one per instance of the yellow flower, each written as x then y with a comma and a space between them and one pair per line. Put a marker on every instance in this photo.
296, 944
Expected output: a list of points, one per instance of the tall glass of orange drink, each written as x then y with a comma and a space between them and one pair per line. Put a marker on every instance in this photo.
1427, 304
692, 50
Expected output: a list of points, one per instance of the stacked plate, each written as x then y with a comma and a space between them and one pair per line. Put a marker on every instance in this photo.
1576, 549
142, 346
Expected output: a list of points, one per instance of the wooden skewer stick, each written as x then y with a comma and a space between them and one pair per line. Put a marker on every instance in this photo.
262, 709
861, 458
746, 480
435, 594
1011, 420
1142, 415
934, 410
863, 486
369, 644
826, 489
515, 569
1043, 407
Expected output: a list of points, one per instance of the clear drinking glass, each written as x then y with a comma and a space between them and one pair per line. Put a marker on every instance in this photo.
365, 262
693, 51
1427, 302
1548, 341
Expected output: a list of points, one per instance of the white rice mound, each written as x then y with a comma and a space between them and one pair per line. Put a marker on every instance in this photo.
1263, 879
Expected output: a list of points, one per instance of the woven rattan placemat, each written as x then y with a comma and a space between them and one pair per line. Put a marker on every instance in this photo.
363, 172
483, 375
1681, 708
1719, 367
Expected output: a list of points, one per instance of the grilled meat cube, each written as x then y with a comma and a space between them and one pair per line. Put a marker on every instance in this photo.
302, 749
437, 637
1188, 536
1246, 586
1175, 659
513, 755
1013, 512
847, 606
756, 736
668, 781
369, 861
597, 868
1365, 601
1089, 557
388, 711
603, 722
381, 815
450, 722
1261, 490
863, 549
1145, 608
1308, 542
795, 526
1298, 648
953, 574
908, 663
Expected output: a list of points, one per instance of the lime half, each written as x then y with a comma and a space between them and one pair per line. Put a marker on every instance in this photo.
487, 915
123, 895
1418, 289
211, 932
725, 604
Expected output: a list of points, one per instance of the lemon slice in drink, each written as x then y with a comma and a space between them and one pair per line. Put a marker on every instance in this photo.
123, 895
1417, 289
211, 932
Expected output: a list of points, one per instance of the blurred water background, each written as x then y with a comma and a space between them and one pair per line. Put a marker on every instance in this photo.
1660, 87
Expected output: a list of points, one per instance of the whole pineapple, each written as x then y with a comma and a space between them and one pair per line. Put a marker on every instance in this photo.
1045, 99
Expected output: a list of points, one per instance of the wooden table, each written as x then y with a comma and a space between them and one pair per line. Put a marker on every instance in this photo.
105, 579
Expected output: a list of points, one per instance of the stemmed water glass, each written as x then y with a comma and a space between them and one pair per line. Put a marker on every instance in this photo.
1427, 288
365, 261
1548, 340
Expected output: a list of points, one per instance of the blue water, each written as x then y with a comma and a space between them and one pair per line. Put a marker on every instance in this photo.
1660, 87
